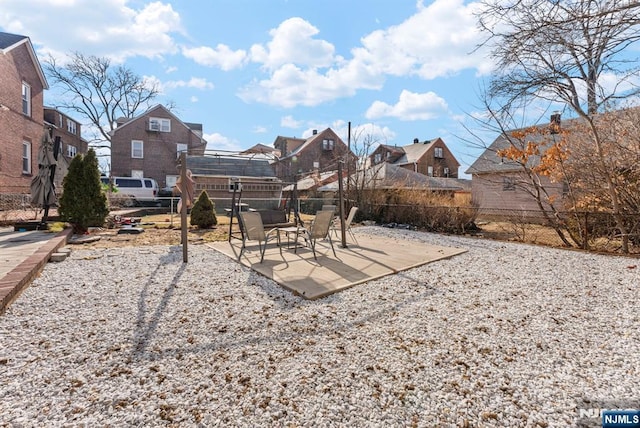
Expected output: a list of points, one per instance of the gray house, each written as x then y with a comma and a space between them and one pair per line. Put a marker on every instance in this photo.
500, 186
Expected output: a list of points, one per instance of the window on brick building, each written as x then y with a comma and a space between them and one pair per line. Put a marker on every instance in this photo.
137, 149
71, 126
26, 99
181, 148
159, 124
438, 152
72, 151
26, 157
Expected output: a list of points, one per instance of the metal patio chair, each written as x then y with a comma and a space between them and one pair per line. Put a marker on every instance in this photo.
253, 230
335, 227
319, 229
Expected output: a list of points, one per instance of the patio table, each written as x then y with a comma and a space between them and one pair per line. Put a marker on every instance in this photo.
289, 231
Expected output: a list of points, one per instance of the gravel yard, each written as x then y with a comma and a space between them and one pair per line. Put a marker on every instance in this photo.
504, 335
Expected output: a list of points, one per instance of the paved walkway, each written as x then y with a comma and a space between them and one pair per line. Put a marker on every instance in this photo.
22, 257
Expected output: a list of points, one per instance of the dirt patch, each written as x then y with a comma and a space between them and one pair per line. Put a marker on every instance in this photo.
526, 233
157, 230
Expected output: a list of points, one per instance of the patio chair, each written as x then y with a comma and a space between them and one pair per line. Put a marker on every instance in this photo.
253, 230
319, 230
347, 224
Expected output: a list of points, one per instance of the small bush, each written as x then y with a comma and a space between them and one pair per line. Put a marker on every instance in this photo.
424, 209
83, 203
203, 212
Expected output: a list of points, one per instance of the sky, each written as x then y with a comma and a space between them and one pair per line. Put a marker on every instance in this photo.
251, 70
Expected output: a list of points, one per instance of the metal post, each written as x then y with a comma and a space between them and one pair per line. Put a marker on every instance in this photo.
340, 206
348, 157
183, 210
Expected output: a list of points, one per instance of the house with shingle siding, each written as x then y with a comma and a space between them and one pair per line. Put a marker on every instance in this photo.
500, 187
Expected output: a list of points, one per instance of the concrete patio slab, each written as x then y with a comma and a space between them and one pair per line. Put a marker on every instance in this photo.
372, 258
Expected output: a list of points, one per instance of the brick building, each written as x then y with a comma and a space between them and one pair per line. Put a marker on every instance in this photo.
69, 133
319, 153
431, 158
22, 84
149, 145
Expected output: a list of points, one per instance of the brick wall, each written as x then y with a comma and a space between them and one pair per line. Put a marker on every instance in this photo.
288, 169
15, 67
160, 148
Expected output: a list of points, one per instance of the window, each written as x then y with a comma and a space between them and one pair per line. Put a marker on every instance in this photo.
438, 152
446, 172
137, 173
171, 180
234, 185
26, 99
137, 149
181, 148
128, 182
26, 157
377, 158
71, 126
159, 124
430, 171
71, 151
508, 184
60, 121
327, 144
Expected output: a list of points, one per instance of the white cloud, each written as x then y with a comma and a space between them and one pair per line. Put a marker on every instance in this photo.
260, 130
437, 41
194, 83
218, 141
291, 86
410, 106
67, 26
293, 43
194, 99
370, 134
222, 56
290, 122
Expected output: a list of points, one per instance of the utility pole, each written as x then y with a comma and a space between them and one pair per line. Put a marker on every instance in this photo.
183, 210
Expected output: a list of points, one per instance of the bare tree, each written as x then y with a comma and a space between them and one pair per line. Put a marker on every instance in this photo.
362, 180
99, 91
561, 51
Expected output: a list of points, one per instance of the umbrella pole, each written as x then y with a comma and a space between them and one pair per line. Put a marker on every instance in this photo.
45, 217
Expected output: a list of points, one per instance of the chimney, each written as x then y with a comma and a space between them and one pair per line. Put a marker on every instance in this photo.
315, 132
416, 141
554, 124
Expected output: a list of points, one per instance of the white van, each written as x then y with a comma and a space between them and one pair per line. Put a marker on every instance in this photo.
137, 190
